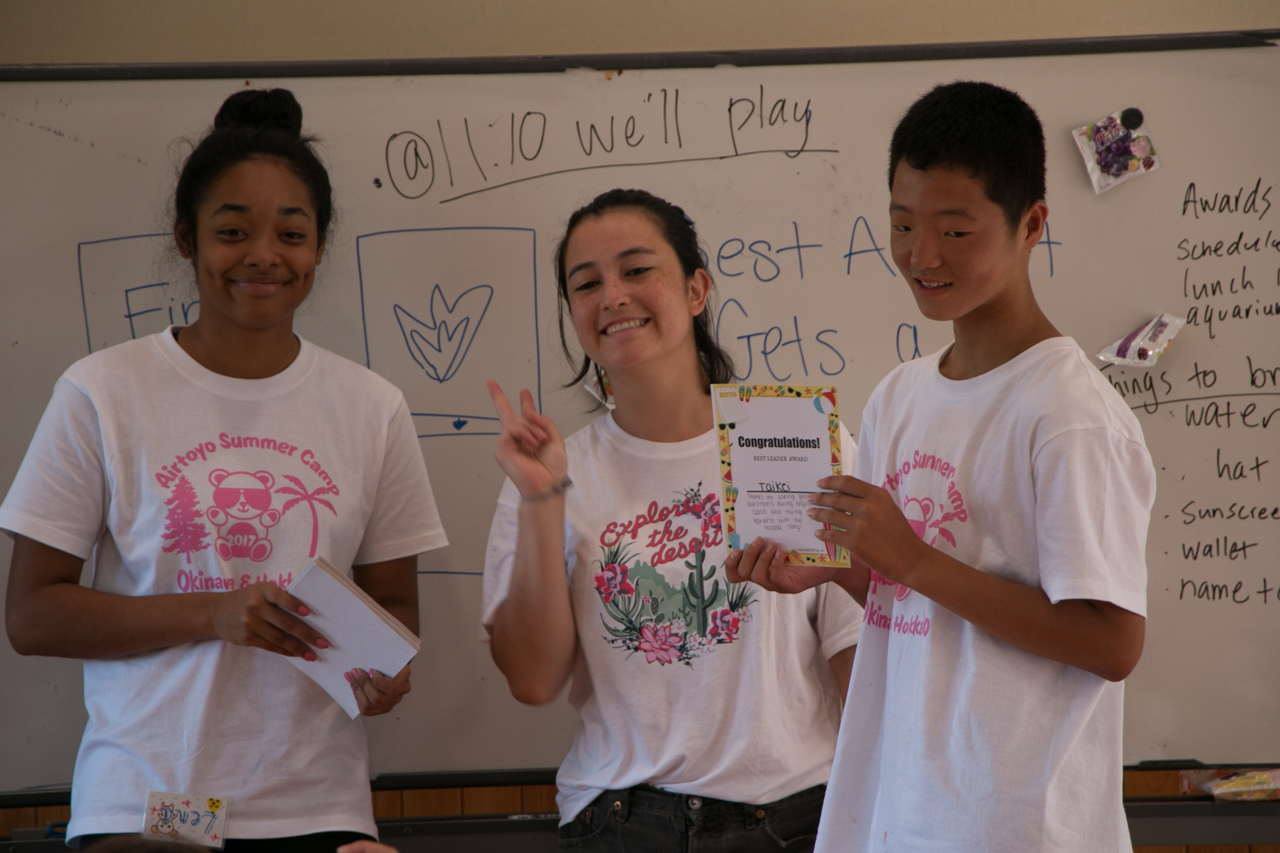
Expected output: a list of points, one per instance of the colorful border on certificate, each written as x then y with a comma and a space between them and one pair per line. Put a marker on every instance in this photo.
836, 554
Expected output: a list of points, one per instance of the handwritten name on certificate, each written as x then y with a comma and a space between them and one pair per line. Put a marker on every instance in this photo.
776, 442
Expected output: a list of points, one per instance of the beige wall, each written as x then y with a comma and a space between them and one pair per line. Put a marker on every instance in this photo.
119, 31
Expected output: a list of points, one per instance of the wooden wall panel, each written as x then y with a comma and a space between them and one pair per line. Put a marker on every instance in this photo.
538, 799
11, 819
433, 802
388, 804
1152, 783
504, 799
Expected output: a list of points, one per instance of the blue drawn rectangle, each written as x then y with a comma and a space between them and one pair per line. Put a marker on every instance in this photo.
445, 309
125, 290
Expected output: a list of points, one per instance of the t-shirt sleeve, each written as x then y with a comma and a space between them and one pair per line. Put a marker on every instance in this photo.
839, 619
839, 616
500, 553
404, 520
862, 468
848, 450
1094, 491
59, 495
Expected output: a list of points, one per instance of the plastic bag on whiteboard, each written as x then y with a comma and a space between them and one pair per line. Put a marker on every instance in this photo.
1116, 149
1234, 784
1142, 346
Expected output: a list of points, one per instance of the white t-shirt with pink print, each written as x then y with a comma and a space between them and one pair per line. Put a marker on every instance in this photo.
172, 479
684, 681
954, 741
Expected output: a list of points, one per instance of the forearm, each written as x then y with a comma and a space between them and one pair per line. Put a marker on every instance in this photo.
1098, 637
47, 612
534, 639
394, 585
68, 620
406, 614
855, 580
841, 664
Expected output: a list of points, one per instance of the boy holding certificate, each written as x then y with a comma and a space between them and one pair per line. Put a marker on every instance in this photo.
997, 524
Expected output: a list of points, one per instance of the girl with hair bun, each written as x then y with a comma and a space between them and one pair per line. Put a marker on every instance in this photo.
709, 709
201, 468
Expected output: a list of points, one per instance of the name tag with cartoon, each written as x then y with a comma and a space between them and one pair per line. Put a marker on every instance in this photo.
198, 818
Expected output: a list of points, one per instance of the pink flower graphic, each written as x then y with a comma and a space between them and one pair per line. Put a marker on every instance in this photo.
710, 514
724, 626
659, 644
613, 581
710, 523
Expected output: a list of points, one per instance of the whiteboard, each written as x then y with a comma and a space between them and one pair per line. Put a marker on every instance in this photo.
451, 192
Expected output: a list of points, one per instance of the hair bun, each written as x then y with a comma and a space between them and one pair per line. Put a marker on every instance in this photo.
261, 109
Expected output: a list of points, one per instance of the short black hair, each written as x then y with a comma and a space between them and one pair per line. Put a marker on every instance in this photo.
677, 229
254, 123
984, 129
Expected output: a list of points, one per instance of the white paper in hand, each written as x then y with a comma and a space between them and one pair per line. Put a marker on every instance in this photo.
361, 633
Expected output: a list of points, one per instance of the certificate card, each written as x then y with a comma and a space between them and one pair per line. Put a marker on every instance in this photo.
776, 442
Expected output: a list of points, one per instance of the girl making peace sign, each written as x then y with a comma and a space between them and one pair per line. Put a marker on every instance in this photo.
708, 709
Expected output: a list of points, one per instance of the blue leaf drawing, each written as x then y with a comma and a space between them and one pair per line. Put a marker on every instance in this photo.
440, 346
459, 423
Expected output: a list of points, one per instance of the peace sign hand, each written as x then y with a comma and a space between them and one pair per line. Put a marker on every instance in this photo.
530, 450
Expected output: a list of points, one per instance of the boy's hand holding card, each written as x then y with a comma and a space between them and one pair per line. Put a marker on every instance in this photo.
776, 442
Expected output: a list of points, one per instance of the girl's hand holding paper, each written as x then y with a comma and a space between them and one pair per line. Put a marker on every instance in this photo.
375, 692
764, 564
262, 616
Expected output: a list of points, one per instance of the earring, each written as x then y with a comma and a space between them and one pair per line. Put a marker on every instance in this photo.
597, 385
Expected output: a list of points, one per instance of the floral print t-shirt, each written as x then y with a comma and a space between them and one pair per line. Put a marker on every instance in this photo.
685, 681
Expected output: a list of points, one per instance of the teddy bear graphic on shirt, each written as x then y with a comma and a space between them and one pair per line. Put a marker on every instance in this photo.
242, 514
244, 519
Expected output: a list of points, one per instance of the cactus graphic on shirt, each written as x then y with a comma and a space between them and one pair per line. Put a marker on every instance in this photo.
645, 614
182, 521
698, 602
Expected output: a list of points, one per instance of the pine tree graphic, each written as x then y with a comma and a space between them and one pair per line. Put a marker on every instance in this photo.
182, 522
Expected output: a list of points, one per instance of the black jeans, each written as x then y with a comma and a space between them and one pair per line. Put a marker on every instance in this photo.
647, 820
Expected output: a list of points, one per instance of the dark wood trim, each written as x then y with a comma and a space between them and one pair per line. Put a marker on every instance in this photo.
636, 61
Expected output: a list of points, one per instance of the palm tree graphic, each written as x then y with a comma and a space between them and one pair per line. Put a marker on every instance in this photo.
311, 498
